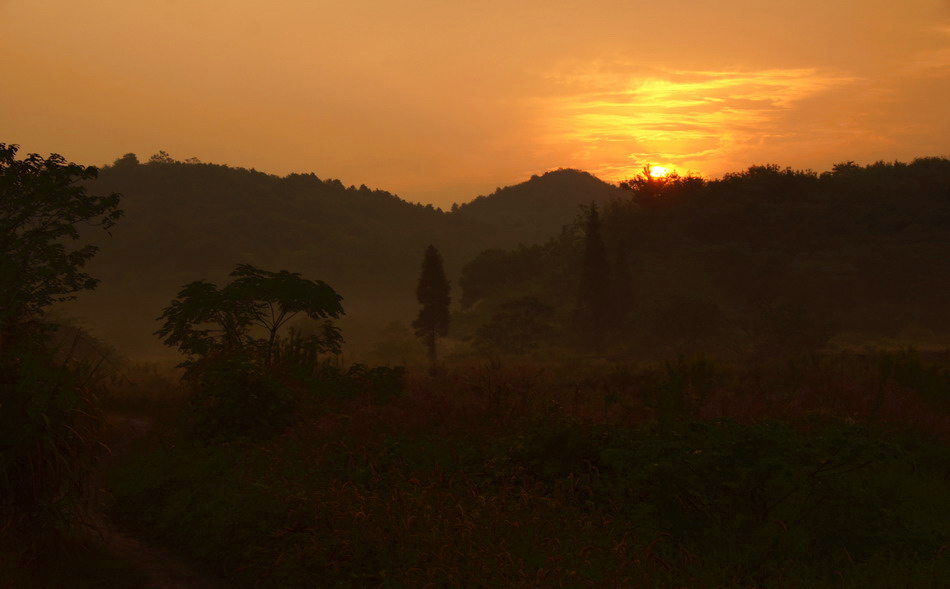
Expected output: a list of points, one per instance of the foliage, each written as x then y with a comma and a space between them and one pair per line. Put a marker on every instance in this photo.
47, 401
433, 294
205, 319
622, 288
594, 309
531, 212
367, 239
510, 479
42, 205
379, 383
518, 327
908, 369
47, 426
782, 260
397, 344
765, 490
73, 564
234, 397
682, 325
649, 189
234, 371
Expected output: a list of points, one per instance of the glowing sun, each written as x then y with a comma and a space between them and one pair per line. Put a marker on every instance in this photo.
659, 171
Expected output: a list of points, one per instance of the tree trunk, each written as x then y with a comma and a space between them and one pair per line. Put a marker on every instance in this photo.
433, 359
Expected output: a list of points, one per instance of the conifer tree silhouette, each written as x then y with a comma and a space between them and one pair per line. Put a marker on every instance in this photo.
594, 309
433, 294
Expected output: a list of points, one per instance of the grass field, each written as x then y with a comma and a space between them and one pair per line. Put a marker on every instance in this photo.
829, 472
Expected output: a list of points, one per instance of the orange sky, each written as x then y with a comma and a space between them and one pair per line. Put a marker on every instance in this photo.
441, 101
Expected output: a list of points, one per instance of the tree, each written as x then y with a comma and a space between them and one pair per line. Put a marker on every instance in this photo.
42, 203
623, 293
594, 310
205, 319
433, 294
46, 405
162, 157
518, 327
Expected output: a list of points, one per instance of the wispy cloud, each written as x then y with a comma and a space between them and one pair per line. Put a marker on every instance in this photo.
617, 121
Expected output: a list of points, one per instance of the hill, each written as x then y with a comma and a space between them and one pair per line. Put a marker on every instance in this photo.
190, 221
768, 261
533, 211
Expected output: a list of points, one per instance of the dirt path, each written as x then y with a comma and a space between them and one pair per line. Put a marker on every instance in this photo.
164, 569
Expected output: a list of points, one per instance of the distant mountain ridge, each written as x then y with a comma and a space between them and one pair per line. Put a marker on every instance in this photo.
191, 221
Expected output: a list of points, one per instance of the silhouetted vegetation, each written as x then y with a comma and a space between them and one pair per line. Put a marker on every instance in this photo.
681, 388
762, 264
433, 294
47, 410
518, 327
205, 320
591, 477
595, 309
187, 220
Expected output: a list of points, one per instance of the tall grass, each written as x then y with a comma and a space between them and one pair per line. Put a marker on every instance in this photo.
827, 472
48, 439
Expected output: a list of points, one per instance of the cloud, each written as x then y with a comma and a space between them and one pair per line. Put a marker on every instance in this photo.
689, 120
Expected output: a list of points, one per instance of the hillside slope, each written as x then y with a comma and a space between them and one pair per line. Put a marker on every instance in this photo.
191, 221
533, 211
767, 261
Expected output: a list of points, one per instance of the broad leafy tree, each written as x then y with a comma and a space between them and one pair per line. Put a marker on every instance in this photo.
433, 294
246, 316
46, 407
43, 203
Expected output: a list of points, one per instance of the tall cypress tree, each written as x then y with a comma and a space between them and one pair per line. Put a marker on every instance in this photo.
433, 294
594, 309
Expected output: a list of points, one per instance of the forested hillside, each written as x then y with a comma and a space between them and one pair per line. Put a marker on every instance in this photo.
190, 221
768, 261
533, 211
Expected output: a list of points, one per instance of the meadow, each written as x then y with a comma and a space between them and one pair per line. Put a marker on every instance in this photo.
829, 471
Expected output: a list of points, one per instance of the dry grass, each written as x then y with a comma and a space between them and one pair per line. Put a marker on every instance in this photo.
482, 477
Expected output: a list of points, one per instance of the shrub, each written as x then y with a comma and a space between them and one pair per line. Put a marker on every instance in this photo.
381, 383
767, 492
47, 422
234, 398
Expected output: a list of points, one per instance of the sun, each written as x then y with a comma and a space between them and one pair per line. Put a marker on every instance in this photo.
659, 172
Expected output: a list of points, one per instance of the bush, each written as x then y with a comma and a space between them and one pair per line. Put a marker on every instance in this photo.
765, 491
235, 398
47, 421
381, 383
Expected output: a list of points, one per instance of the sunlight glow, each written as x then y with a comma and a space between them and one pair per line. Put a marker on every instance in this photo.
698, 120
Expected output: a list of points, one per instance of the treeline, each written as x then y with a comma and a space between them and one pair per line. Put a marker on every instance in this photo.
187, 219
766, 262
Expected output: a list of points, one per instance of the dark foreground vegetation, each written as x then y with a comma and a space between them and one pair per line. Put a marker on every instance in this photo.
49, 420
659, 396
831, 472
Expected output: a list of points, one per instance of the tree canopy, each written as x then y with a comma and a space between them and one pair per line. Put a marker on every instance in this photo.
594, 302
205, 319
42, 205
770, 261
